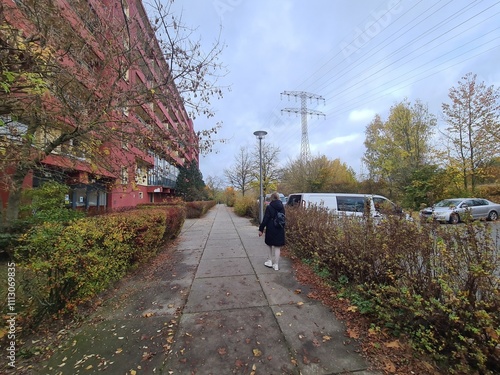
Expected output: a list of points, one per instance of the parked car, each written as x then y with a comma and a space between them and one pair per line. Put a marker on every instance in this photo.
455, 210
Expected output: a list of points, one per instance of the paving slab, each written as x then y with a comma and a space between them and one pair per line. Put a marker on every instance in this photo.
230, 342
225, 267
222, 293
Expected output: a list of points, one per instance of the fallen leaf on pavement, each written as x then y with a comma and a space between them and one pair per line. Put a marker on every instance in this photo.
257, 353
222, 351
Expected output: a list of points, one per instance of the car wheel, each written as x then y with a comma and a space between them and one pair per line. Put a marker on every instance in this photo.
493, 215
454, 219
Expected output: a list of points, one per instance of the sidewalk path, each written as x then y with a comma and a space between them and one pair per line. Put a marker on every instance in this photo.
211, 307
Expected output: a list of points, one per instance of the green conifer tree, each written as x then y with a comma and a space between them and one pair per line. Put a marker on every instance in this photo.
190, 185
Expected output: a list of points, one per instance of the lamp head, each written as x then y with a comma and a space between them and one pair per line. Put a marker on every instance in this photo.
260, 134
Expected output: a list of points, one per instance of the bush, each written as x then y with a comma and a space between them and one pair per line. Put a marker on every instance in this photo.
198, 209
67, 264
437, 284
246, 206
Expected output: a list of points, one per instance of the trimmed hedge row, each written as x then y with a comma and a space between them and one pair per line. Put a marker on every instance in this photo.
436, 284
194, 210
65, 265
198, 209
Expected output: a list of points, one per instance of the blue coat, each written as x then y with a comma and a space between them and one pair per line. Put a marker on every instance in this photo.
274, 236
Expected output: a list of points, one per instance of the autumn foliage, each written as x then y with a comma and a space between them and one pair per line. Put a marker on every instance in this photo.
64, 265
435, 285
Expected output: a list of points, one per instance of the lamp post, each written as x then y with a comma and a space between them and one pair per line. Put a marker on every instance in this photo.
260, 134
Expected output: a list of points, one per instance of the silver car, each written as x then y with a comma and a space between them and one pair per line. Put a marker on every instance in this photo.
457, 209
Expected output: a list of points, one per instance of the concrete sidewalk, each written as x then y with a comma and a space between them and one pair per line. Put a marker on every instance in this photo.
211, 307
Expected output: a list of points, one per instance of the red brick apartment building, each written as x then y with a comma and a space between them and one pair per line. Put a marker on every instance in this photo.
110, 123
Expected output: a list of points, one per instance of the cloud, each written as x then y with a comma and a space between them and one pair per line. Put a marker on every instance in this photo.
344, 139
361, 115
412, 52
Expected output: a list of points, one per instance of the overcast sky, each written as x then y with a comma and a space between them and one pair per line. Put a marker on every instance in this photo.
361, 56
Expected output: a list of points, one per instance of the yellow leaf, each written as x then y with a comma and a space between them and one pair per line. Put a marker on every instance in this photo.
352, 308
133, 372
393, 344
119, 350
326, 338
257, 353
300, 303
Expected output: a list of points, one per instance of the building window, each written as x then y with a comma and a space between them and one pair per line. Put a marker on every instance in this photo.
124, 176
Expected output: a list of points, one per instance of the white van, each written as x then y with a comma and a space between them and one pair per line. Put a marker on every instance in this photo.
345, 203
268, 199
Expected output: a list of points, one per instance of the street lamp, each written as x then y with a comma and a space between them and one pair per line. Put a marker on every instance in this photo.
260, 134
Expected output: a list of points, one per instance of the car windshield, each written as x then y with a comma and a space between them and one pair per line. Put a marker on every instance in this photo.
449, 203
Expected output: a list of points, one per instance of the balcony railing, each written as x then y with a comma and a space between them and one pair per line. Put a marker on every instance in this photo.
161, 181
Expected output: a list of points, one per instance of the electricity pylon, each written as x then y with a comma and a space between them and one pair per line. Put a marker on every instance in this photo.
305, 152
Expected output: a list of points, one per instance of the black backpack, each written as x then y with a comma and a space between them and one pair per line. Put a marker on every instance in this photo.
279, 220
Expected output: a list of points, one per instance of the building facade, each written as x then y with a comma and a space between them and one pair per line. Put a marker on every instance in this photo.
111, 123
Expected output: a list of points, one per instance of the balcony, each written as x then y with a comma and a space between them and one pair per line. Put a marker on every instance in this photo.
164, 182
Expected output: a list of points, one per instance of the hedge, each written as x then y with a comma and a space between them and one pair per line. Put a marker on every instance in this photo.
65, 265
436, 284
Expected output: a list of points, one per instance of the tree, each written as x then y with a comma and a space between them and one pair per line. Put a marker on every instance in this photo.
270, 167
398, 148
241, 174
473, 118
189, 184
69, 92
373, 155
319, 175
214, 187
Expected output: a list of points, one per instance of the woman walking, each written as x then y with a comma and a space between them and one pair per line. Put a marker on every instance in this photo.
275, 235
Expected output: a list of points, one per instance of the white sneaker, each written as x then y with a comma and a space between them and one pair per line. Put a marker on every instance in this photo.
268, 263
275, 266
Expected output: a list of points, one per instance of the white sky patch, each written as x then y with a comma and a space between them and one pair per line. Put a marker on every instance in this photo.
344, 139
362, 115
